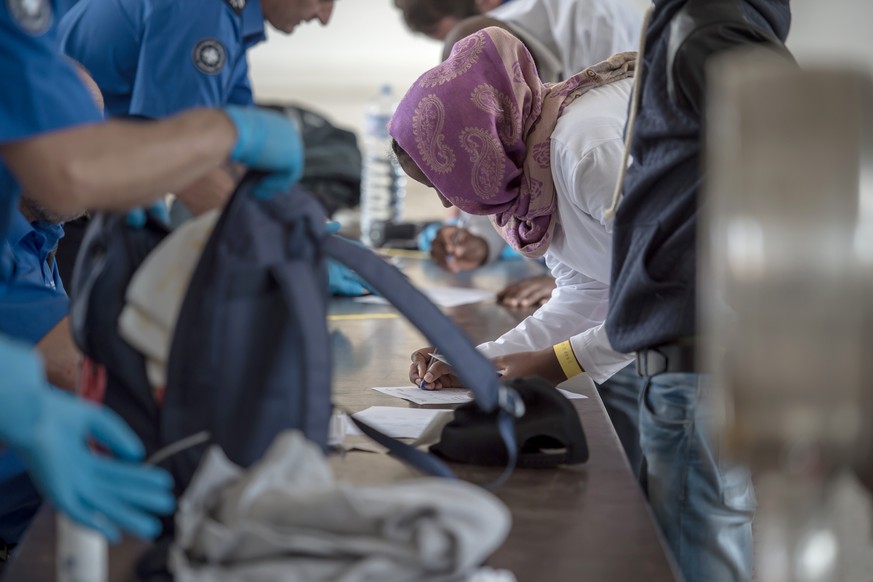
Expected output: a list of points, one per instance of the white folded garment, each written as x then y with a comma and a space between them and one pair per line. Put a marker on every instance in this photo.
287, 519
156, 291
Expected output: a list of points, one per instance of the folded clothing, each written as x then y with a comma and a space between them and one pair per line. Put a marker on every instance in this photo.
156, 291
287, 519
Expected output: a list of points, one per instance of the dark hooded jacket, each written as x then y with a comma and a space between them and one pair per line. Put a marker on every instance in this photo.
654, 266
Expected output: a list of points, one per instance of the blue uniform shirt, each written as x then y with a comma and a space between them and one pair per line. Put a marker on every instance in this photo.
166, 55
40, 91
34, 300
33, 303
64, 6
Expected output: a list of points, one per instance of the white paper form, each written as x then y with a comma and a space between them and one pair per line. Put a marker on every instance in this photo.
571, 395
442, 296
444, 396
419, 396
395, 421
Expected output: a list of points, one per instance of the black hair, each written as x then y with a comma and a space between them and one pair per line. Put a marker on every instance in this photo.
424, 15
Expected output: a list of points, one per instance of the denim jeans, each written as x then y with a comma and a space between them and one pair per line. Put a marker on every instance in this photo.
704, 507
621, 398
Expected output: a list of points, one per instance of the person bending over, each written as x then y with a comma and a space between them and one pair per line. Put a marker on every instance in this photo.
542, 162
563, 38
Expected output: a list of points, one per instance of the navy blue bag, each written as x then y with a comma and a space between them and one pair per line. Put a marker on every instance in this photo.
251, 354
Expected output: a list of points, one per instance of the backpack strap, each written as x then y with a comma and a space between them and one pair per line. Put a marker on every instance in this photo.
432, 465
426, 462
474, 369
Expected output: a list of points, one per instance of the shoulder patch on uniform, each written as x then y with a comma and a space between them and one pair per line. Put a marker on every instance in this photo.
32, 16
209, 56
237, 5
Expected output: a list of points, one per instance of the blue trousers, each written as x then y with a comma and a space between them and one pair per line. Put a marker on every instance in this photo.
621, 398
703, 505
19, 499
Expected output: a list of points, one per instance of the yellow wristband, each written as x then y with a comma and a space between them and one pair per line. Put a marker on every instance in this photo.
567, 359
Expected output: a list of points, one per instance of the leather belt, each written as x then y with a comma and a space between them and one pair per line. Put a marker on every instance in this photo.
668, 358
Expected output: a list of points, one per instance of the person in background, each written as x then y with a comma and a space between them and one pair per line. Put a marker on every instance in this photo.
703, 505
573, 34
541, 161
563, 38
169, 56
436, 18
55, 146
172, 56
473, 243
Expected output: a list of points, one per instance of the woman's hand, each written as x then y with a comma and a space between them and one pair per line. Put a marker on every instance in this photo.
530, 292
430, 374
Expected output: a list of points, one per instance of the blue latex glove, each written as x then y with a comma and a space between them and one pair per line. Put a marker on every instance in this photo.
269, 141
340, 279
136, 217
49, 430
510, 254
343, 281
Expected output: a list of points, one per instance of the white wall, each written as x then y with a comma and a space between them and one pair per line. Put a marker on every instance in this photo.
338, 68
832, 31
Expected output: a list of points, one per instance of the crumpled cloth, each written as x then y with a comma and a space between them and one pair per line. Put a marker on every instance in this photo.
287, 519
156, 291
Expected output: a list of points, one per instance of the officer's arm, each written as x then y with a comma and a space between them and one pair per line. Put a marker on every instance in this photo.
119, 164
213, 190
61, 356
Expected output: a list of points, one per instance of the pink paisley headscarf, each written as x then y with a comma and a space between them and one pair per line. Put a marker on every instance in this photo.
479, 126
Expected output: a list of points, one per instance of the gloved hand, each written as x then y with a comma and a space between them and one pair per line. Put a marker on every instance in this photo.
49, 430
343, 281
267, 140
340, 279
136, 217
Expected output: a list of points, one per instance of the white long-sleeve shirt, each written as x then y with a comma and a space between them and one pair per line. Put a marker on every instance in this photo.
574, 33
586, 154
579, 33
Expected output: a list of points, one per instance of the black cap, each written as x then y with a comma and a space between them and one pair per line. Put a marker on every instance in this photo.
549, 434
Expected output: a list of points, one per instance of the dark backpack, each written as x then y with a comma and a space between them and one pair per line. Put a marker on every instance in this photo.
332, 168
251, 354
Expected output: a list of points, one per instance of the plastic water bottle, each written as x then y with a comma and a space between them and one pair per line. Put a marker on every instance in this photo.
383, 183
82, 553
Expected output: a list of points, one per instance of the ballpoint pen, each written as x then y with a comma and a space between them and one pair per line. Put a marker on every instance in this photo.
439, 358
433, 356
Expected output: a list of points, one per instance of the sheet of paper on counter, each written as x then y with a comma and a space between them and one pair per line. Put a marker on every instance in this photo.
444, 396
419, 396
395, 421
